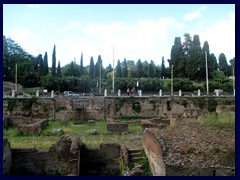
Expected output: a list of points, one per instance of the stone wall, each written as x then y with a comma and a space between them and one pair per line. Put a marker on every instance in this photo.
61, 159
154, 152
32, 128
117, 127
109, 107
7, 157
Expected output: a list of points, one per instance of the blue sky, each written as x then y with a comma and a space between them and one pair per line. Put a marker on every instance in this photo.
145, 32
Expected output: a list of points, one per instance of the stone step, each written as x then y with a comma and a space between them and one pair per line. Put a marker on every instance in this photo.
136, 159
134, 150
136, 154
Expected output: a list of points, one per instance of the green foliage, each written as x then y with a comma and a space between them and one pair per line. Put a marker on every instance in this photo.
127, 118
146, 171
220, 81
182, 84
54, 61
212, 104
222, 120
201, 103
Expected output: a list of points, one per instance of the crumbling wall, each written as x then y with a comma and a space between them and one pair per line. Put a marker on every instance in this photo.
103, 161
109, 107
117, 127
7, 157
154, 152
62, 159
32, 128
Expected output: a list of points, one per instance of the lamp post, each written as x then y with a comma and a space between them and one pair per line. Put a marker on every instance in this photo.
16, 77
38, 74
113, 73
206, 72
171, 80
100, 79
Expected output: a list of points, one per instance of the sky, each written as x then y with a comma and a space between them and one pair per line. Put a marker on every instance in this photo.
117, 31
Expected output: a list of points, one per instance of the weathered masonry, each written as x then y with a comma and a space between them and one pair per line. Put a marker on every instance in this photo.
108, 107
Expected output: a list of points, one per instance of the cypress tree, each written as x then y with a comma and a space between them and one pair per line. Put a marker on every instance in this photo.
59, 69
45, 66
81, 65
91, 68
125, 68
54, 61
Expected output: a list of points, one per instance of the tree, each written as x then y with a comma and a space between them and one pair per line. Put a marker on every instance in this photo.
39, 67
151, 69
45, 64
98, 66
139, 68
213, 65
223, 65
91, 68
187, 44
54, 61
59, 73
81, 65
125, 69
163, 69
118, 69
177, 59
195, 64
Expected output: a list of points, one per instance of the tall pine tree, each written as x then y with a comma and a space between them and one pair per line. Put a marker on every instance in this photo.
223, 65
177, 58
59, 73
45, 66
91, 68
54, 61
125, 68
81, 65
163, 69
118, 69
139, 68
195, 64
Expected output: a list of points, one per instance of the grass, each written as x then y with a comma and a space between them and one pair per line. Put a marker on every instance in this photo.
221, 120
128, 118
44, 140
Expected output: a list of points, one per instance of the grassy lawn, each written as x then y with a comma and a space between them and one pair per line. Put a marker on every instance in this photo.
221, 120
44, 140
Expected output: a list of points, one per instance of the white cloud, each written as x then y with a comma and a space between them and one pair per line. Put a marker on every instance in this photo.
33, 6
221, 37
20, 35
72, 25
193, 15
179, 26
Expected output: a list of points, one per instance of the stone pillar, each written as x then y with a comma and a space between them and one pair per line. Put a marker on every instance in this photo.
37, 93
160, 92
119, 92
180, 93
52, 94
140, 93
105, 92
13, 93
217, 93
199, 92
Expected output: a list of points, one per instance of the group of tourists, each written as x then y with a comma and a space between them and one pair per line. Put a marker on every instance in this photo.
131, 91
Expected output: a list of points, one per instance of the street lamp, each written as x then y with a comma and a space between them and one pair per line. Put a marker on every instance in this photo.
16, 77
113, 72
38, 74
206, 72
